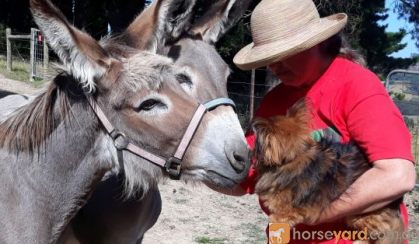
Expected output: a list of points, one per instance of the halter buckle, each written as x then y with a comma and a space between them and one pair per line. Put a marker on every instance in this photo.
119, 140
173, 168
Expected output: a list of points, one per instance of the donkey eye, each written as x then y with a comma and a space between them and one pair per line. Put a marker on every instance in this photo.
184, 79
150, 104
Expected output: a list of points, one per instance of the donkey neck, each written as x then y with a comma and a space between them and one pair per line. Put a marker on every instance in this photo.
53, 184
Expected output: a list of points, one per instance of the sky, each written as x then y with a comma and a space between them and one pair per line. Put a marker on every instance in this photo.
394, 24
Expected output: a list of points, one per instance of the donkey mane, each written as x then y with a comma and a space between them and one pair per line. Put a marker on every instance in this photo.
29, 127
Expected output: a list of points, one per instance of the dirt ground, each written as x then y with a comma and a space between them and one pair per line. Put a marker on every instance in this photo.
7, 85
196, 214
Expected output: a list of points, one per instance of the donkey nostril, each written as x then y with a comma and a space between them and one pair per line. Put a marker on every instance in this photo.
240, 159
239, 162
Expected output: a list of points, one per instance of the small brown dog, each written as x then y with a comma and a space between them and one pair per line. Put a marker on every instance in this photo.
299, 177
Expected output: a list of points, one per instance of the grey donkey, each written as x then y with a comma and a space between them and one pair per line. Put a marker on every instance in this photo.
55, 150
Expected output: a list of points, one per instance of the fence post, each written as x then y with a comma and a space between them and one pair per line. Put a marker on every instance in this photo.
9, 50
46, 53
33, 64
252, 94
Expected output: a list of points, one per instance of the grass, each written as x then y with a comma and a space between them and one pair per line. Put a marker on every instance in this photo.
20, 71
254, 233
181, 201
209, 240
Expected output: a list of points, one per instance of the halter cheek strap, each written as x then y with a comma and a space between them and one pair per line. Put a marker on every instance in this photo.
171, 165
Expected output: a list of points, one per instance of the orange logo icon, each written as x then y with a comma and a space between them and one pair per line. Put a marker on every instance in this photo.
279, 233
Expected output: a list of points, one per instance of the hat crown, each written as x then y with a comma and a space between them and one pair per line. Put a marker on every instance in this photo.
273, 20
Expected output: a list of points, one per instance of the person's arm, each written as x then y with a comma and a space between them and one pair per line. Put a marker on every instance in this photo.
385, 182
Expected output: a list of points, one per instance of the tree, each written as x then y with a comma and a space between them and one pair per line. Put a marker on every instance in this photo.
377, 44
365, 34
92, 16
95, 15
16, 14
353, 8
409, 10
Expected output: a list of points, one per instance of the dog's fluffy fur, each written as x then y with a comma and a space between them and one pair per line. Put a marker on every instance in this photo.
299, 177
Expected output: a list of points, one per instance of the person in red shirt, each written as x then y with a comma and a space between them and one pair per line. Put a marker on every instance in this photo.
304, 52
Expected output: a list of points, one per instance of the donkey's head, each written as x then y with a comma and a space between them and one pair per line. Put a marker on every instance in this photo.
140, 94
168, 27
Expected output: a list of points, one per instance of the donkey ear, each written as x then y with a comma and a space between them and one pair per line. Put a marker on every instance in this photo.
219, 18
164, 20
83, 57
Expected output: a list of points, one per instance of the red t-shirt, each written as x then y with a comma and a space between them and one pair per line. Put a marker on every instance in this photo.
351, 100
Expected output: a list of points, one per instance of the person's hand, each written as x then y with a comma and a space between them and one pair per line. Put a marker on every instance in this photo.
322, 217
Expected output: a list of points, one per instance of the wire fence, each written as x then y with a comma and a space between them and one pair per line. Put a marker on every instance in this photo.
240, 90
20, 52
23, 56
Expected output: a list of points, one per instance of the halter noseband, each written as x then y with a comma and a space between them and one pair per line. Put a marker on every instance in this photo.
172, 165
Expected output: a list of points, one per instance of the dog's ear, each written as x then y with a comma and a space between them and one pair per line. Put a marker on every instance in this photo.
268, 147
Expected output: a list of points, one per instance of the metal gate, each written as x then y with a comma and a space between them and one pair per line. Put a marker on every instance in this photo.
39, 55
403, 86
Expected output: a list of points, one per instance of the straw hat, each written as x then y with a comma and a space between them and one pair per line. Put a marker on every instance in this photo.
282, 28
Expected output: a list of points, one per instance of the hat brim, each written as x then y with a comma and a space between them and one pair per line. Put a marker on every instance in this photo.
252, 56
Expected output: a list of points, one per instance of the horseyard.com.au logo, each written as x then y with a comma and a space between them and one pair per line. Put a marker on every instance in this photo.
280, 233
